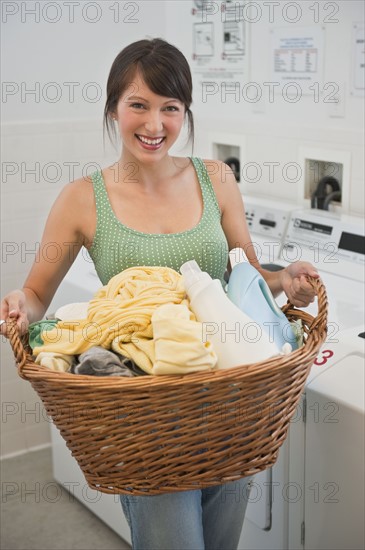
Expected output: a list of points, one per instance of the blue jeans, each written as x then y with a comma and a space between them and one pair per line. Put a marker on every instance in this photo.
207, 519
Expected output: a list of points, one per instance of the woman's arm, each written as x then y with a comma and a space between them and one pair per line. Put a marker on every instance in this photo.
293, 279
62, 239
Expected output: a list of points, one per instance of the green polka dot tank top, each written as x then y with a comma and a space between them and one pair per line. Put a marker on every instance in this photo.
117, 247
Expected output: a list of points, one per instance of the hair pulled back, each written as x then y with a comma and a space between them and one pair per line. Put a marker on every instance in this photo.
162, 66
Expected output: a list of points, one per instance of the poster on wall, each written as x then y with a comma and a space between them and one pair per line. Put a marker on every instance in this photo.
219, 42
297, 58
358, 56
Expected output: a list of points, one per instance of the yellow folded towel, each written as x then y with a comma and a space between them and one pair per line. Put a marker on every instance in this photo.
178, 339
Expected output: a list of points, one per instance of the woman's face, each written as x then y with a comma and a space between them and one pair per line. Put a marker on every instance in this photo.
149, 124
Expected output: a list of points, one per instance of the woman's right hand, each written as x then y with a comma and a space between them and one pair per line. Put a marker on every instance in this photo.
13, 305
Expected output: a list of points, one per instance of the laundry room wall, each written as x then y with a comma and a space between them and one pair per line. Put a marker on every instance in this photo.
274, 129
55, 61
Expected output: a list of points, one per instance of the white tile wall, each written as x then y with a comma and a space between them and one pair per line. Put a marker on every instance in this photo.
48, 148
270, 142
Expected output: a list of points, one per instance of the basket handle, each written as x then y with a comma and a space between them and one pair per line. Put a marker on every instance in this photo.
16, 343
320, 321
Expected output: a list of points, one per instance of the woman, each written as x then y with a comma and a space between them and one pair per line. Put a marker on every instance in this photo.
151, 208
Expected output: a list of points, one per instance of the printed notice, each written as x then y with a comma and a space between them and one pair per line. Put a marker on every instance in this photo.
233, 31
203, 39
297, 56
219, 40
358, 56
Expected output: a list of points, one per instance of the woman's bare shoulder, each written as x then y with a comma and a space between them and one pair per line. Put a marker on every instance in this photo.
77, 193
223, 180
75, 205
80, 186
219, 171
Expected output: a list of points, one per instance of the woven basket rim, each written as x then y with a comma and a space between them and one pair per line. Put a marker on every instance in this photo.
240, 371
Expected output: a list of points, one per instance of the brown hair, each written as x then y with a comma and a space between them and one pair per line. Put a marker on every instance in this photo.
164, 69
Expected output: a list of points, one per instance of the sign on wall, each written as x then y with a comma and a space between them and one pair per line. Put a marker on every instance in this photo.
358, 56
219, 40
297, 57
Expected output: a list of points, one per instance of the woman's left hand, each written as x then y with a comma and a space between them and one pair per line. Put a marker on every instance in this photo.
295, 284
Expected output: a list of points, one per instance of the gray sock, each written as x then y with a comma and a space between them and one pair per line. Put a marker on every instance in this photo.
99, 361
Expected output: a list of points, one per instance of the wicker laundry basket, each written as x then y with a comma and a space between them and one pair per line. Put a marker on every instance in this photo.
156, 434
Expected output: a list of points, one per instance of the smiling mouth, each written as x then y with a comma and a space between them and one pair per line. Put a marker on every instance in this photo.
148, 141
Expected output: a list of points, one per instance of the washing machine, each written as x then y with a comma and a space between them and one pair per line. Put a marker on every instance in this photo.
267, 220
79, 285
313, 497
333, 460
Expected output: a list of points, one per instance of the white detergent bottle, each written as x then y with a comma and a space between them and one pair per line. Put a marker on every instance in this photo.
236, 338
250, 292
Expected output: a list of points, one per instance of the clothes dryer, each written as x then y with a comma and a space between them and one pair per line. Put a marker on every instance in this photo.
334, 447
335, 244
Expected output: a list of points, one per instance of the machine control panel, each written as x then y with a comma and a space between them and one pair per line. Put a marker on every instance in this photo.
265, 218
333, 242
267, 221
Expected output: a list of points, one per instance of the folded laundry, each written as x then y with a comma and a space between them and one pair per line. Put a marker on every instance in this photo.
178, 339
98, 361
119, 316
142, 316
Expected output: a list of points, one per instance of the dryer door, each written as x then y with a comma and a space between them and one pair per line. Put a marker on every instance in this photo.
334, 460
